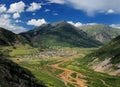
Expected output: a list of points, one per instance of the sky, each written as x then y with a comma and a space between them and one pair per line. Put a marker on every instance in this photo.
23, 15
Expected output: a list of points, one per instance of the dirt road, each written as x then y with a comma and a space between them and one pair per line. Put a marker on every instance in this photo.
66, 75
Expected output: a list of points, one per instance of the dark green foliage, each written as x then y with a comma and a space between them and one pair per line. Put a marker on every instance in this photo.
12, 75
59, 34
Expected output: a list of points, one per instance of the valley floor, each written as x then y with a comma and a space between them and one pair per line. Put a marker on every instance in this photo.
66, 71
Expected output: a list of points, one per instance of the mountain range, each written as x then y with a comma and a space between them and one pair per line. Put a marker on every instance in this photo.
59, 34
100, 32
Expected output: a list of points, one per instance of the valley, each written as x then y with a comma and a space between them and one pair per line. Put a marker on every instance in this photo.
60, 55
66, 70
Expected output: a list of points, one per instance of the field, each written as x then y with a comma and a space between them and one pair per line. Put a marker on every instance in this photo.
65, 70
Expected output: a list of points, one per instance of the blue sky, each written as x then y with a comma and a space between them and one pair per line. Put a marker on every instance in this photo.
22, 15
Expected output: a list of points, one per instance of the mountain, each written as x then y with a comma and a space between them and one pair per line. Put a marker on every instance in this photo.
107, 58
59, 34
8, 38
11, 74
101, 32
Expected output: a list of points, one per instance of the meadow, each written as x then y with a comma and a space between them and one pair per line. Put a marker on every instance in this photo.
64, 71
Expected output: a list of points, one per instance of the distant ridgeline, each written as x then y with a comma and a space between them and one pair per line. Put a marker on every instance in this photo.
100, 32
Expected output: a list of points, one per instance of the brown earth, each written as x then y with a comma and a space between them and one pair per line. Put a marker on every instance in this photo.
66, 77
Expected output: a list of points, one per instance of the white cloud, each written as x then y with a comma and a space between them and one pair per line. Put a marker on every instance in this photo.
92, 6
16, 15
115, 26
6, 22
33, 7
2, 8
18, 21
57, 1
17, 7
55, 14
91, 24
110, 11
5, 16
47, 10
77, 24
35, 22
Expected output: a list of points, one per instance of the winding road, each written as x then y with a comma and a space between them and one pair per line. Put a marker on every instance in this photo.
66, 75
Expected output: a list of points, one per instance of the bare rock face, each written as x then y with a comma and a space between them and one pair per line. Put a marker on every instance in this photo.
107, 58
106, 66
103, 37
100, 32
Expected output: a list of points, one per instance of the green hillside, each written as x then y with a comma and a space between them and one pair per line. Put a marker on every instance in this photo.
111, 50
106, 59
101, 32
59, 34
12, 75
8, 38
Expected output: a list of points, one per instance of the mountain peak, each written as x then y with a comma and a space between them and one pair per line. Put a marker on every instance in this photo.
60, 34
59, 23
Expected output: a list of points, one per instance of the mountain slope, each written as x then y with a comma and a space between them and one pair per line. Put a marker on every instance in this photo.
8, 38
101, 32
59, 34
107, 58
12, 75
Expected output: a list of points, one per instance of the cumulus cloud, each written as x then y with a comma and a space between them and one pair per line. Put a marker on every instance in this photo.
55, 14
2, 8
47, 10
18, 21
35, 22
92, 6
57, 1
77, 24
110, 11
16, 15
33, 7
115, 26
17, 7
6, 22
5, 16
91, 24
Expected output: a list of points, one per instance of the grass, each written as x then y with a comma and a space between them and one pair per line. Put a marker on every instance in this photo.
94, 79
41, 70
11, 74
20, 50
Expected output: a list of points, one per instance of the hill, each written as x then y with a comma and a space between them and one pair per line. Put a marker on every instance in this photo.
59, 34
100, 32
8, 38
12, 75
107, 58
